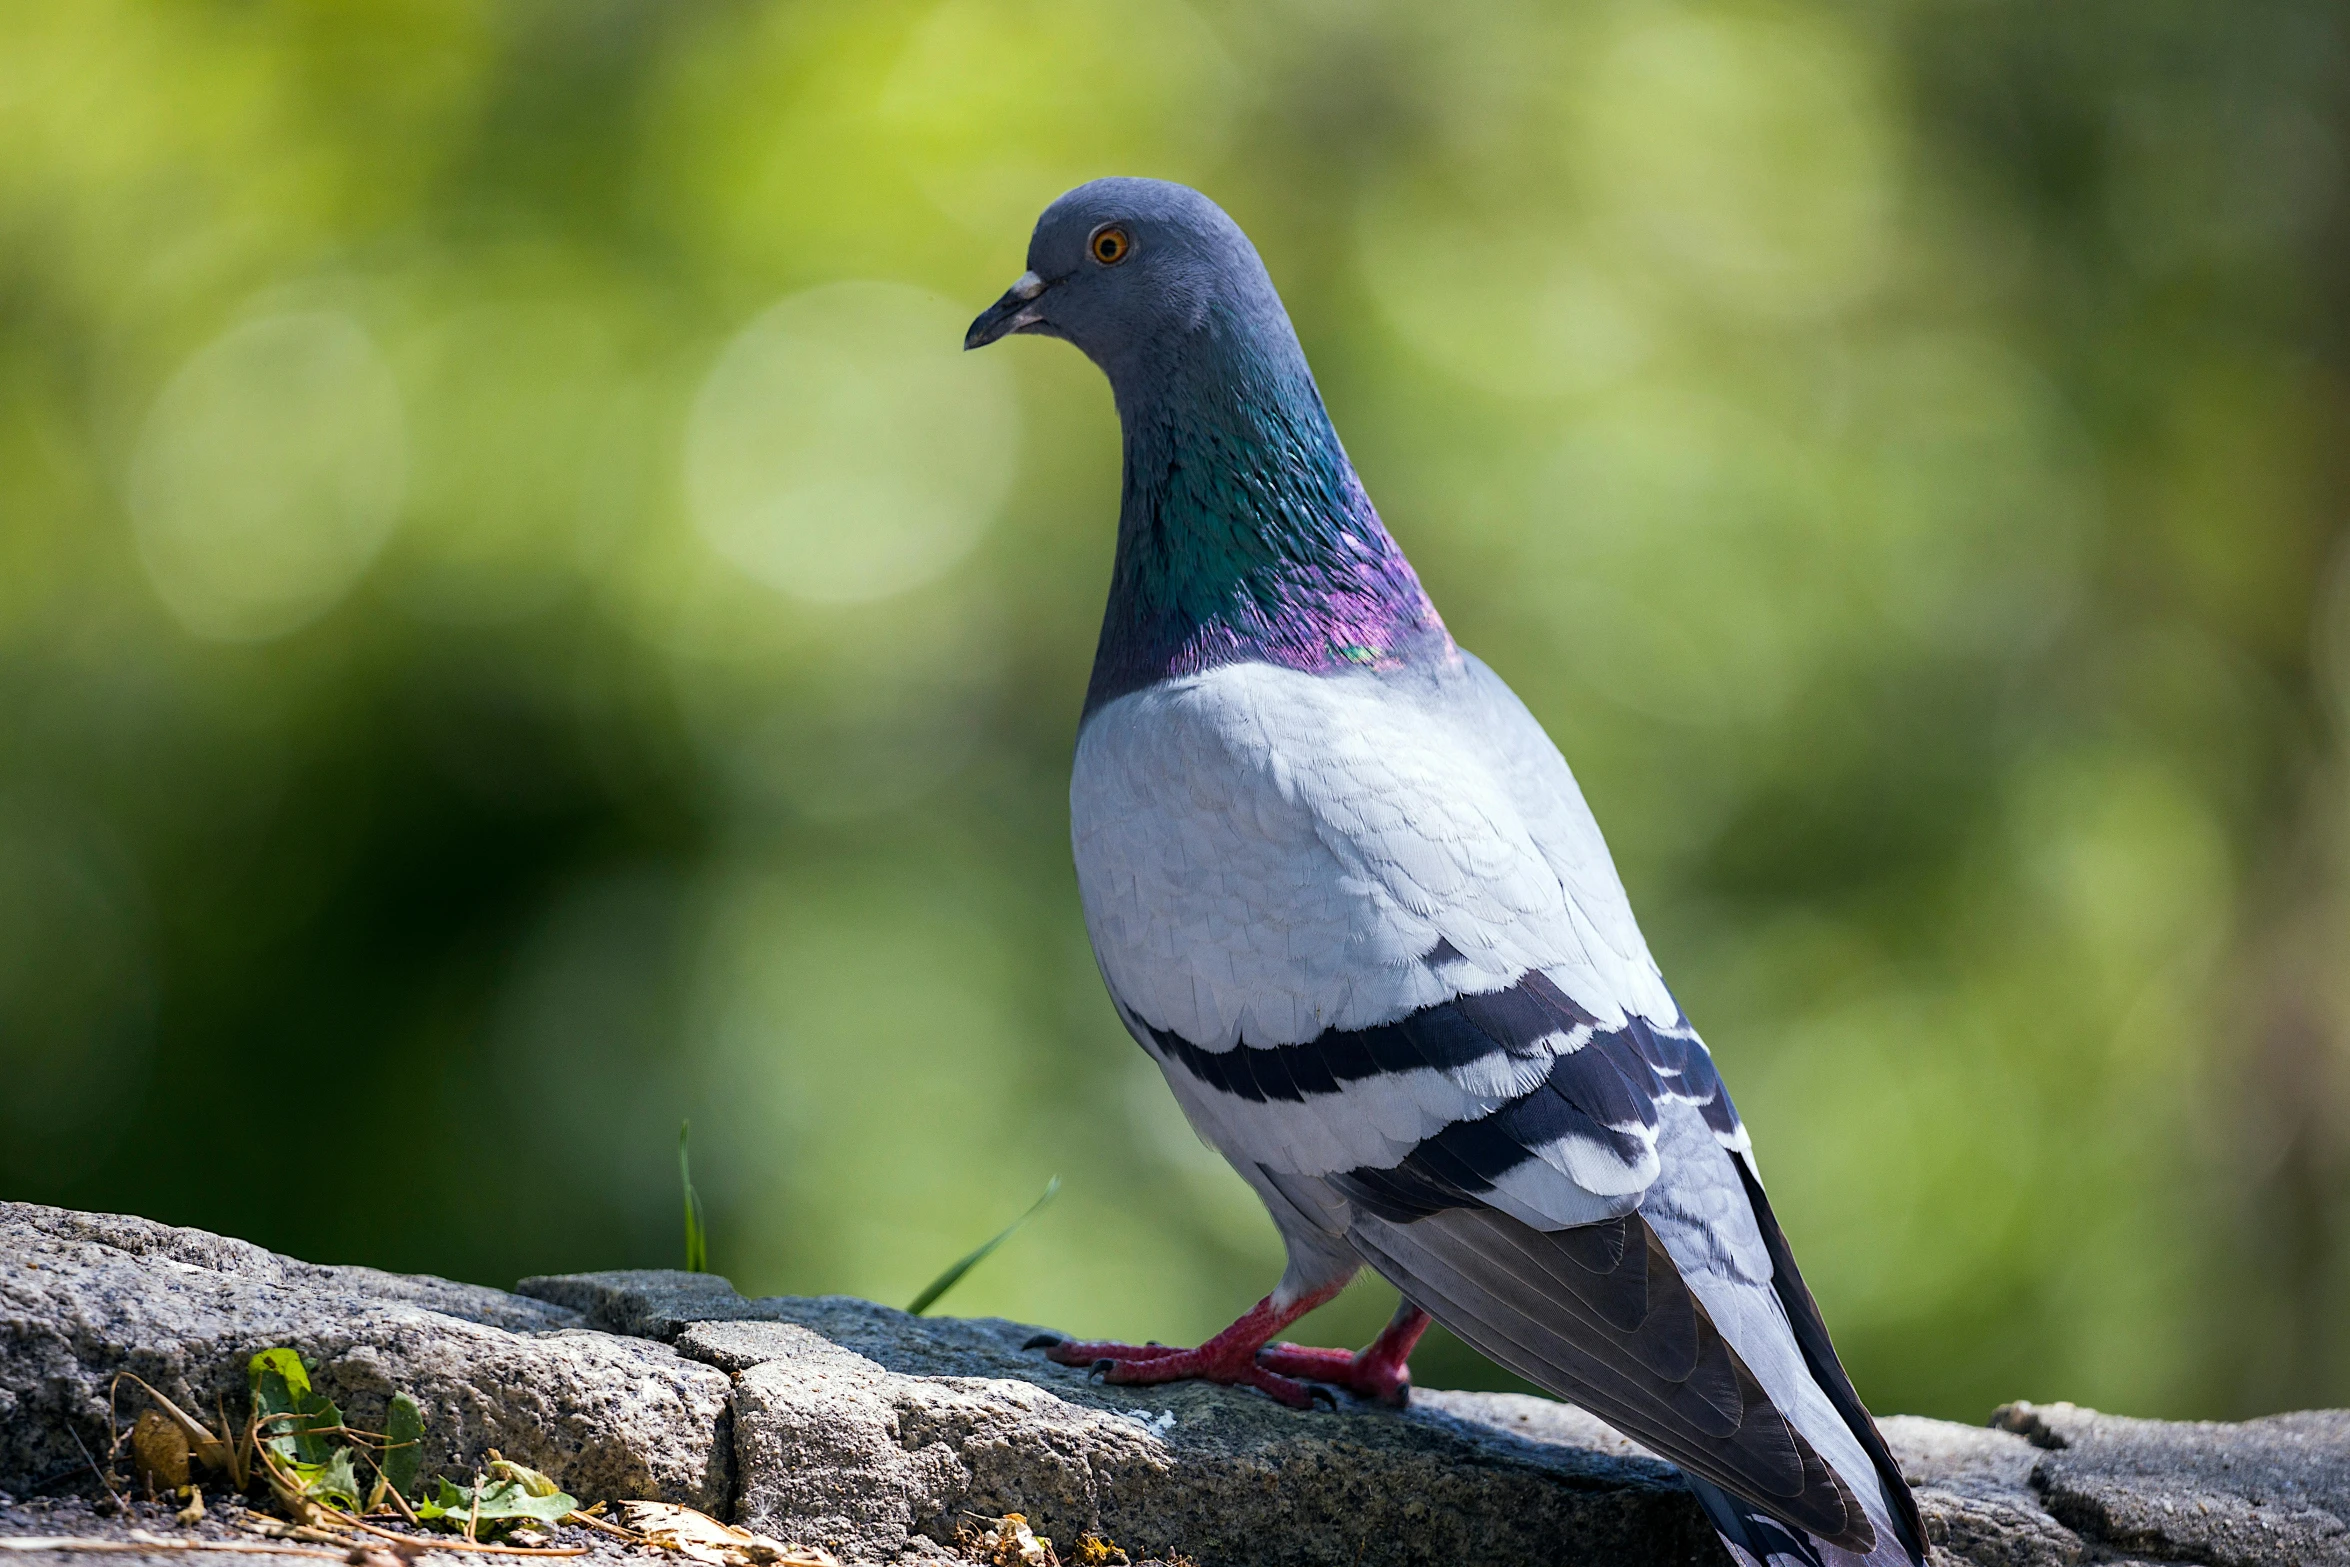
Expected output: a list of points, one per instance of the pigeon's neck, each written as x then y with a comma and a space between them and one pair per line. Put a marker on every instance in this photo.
1243, 533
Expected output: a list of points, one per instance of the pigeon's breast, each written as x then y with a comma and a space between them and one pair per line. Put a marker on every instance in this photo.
1265, 854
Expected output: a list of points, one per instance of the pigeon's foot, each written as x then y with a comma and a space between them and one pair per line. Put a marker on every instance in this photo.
1128, 1366
1379, 1371
1231, 1357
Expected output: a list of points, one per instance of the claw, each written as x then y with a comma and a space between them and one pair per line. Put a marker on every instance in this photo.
1100, 1368
1317, 1390
1043, 1341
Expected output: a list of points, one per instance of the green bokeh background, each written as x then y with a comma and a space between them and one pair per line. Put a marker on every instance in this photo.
517, 626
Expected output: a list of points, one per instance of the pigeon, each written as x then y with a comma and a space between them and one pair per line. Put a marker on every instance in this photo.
1344, 890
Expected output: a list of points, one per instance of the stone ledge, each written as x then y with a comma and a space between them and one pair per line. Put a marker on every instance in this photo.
84, 1296
840, 1422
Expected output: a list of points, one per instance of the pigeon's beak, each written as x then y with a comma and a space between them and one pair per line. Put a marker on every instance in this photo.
1016, 312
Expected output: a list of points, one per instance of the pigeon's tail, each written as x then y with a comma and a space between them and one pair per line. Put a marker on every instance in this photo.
1600, 1315
1904, 1527
1756, 1539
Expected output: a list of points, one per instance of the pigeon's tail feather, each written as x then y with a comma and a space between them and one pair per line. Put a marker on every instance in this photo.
1600, 1315
1819, 1355
1756, 1539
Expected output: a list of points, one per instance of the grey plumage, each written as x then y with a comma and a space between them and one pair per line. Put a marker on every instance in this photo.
1346, 892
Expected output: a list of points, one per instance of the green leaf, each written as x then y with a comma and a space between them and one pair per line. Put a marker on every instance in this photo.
277, 1378
318, 1417
697, 1244
507, 1499
288, 1409
449, 1498
403, 1444
532, 1482
503, 1501
295, 1419
334, 1482
954, 1275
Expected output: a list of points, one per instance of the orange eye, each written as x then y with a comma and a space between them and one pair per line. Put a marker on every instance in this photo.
1110, 245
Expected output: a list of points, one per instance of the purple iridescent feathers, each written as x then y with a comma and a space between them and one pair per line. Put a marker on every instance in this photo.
1243, 533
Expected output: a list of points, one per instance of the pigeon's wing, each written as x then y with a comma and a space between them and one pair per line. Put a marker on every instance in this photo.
1368, 927
1708, 1202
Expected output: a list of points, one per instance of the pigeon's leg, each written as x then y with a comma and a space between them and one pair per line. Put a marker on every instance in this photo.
1379, 1370
1230, 1357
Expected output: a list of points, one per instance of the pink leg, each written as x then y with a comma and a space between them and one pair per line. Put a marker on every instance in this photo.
1230, 1357
1380, 1370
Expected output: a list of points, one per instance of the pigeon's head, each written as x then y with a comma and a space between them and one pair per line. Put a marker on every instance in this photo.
1132, 270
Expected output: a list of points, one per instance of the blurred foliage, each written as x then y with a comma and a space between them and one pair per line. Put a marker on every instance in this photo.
515, 617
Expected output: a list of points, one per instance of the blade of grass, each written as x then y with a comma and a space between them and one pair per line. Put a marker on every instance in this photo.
697, 1244
954, 1275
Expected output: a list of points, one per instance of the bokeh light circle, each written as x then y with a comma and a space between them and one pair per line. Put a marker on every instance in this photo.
844, 448
269, 474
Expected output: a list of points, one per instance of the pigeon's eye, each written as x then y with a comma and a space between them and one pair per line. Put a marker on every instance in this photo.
1110, 245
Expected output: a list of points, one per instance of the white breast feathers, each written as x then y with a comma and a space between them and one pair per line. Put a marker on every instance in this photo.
1264, 854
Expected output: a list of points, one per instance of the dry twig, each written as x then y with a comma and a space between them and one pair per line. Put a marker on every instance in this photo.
601, 1527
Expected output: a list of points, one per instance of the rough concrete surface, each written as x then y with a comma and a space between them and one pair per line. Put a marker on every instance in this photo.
840, 1423
84, 1296
859, 1425
2269, 1490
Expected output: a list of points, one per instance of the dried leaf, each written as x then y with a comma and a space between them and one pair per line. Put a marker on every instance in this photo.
214, 1451
703, 1538
1007, 1542
159, 1449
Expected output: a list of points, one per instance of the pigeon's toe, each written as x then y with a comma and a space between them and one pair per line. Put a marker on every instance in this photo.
1372, 1376
1085, 1352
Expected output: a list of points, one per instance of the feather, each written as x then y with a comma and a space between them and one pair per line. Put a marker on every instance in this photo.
1629, 1343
